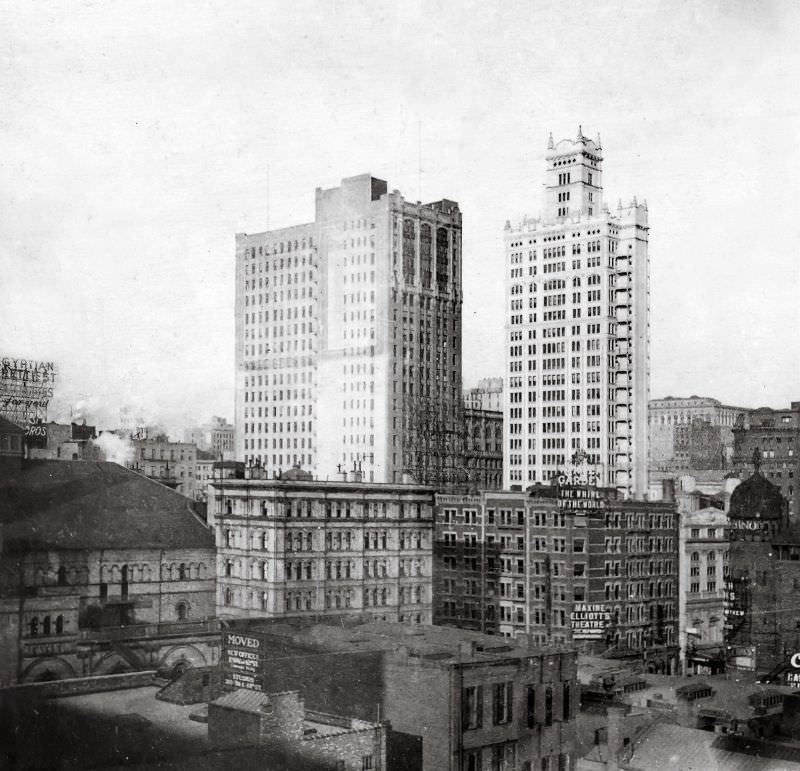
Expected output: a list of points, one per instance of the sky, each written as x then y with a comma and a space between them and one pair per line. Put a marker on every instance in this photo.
138, 137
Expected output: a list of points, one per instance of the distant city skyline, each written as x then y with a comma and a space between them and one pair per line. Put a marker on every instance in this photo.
127, 175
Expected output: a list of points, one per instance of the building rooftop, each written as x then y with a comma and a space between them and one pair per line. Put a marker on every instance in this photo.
385, 488
435, 644
56, 504
7, 427
757, 498
665, 746
125, 729
733, 697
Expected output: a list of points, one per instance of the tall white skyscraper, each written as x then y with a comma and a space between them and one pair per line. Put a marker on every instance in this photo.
577, 331
348, 339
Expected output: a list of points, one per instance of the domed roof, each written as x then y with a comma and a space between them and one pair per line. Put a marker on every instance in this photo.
757, 498
297, 474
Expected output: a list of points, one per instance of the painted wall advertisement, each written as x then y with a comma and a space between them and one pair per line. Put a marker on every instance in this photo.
242, 656
589, 621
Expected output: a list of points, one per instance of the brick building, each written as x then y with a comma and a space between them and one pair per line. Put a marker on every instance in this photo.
102, 571
454, 700
280, 721
775, 434
562, 564
298, 546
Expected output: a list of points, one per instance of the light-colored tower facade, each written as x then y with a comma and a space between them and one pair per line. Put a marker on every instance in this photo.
349, 339
577, 331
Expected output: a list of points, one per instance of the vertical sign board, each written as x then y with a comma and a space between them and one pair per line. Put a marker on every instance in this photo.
589, 621
242, 657
734, 606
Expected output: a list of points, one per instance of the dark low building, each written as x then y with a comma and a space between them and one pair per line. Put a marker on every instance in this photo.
762, 621
102, 571
454, 700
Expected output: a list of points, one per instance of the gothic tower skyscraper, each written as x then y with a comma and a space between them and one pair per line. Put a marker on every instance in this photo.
577, 331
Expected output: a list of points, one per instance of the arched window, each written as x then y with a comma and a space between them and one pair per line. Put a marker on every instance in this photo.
228, 596
182, 571
182, 610
62, 576
695, 556
59, 624
46, 626
34, 625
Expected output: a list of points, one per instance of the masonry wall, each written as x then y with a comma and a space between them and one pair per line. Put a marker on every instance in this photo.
232, 727
352, 748
341, 683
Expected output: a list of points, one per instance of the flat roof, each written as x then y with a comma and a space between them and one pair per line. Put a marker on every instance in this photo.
442, 644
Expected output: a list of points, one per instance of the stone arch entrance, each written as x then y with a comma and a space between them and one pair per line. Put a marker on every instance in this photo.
47, 670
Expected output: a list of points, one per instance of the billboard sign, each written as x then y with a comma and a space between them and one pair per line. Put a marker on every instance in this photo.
26, 387
589, 621
242, 656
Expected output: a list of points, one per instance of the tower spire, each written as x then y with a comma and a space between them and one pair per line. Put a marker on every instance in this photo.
550, 144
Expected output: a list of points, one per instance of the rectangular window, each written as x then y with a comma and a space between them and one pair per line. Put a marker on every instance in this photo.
472, 703
503, 700
531, 706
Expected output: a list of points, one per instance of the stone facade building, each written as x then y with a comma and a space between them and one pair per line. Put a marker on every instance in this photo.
690, 434
348, 339
703, 572
483, 448
173, 464
577, 329
102, 571
295, 546
562, 565
216, 437
487, 395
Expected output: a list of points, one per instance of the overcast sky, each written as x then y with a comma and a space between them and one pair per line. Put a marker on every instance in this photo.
138, 137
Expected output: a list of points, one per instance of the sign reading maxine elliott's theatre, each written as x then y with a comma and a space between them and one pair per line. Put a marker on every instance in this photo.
589, 621
242, 655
